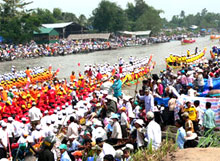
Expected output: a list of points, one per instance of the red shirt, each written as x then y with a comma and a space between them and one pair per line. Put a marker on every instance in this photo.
51, 95
120, 69
99, 76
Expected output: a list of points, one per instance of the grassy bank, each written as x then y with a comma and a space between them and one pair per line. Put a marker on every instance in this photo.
148, 154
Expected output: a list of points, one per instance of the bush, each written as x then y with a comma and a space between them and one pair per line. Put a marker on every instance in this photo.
149, 154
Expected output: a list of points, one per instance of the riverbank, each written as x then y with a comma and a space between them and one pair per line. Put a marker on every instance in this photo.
193, 154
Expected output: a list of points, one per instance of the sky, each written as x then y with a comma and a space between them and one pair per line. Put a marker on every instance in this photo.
170, 7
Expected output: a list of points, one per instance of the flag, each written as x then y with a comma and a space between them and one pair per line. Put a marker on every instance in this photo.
78, 64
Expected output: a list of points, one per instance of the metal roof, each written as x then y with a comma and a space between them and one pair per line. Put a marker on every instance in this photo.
43, 30
136, 33
88, 36
57, 25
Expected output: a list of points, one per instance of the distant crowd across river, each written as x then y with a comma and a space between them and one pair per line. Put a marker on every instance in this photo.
9, 52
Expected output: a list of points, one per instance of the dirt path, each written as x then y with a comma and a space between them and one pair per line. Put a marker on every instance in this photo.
195, 154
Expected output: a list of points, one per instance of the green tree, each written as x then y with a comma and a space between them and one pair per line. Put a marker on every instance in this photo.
182, 14
82, 20
69, 17
109, 17
17, 23
150, 20
57, 13
45, 16
143, 17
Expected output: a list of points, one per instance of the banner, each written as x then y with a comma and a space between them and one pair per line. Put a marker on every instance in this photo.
214, 101
216, 83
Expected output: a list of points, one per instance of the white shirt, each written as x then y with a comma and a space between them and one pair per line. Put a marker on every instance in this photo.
44, 119
3, 138
154, 134
129, 109
149, 102
72, 129
210, 81
116, 131
106, 150
200, 80
37, 134
17, 128
140, 137
35, 114
48, 131
124, 119
99, 132
23, 140
200, 114
10, 129
191, 92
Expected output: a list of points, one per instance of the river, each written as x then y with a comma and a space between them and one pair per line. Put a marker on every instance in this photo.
69, 63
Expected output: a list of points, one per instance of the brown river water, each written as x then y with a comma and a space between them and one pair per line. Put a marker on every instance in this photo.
69, 63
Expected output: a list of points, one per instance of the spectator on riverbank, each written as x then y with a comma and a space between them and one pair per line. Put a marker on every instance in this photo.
208, 119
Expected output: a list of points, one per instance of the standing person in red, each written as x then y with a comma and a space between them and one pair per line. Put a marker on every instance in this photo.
120, 69
51, 96
99, 76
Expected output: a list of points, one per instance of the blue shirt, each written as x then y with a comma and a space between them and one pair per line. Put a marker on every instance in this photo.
74, 146
181, 137
117, 88
65, 157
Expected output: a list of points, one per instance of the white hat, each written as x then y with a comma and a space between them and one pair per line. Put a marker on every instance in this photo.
55, 130
48, 121
109, 97
190, 135
72, 136
200, 70
185, 114
98, 123
114, 116
63, 107
158, 81
3, 124
38, 127
150, 115
4, 159
25, 133
105, 92
140, 122
128, 146
46, 112
10, 119
88, 123
118, 153
52, 119
126, 98
131, 115
23, 119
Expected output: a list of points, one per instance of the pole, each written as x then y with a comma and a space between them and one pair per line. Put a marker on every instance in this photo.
136, 89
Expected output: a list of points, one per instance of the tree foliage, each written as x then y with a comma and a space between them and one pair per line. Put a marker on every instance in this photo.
203, 19
108, 16
17, 23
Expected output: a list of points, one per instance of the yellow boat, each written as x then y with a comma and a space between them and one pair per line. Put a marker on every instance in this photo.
174, 61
